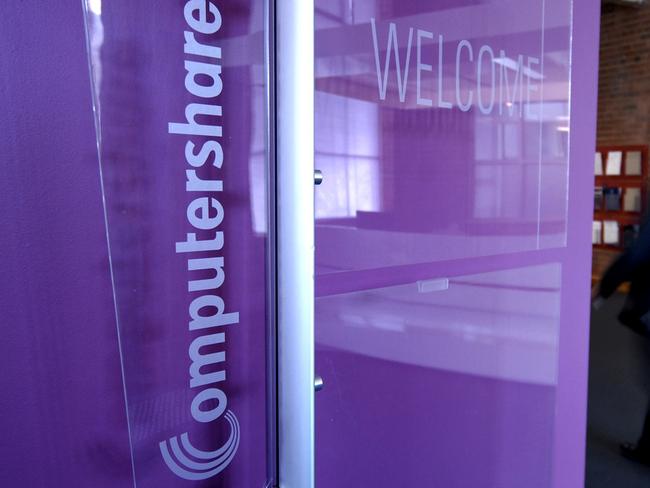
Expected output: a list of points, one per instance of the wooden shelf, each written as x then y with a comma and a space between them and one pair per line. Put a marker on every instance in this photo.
623, 182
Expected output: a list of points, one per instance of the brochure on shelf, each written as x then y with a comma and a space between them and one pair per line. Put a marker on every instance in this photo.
610, 232
633, 163
598, 164
632, 200
597, 233
612, 199
598, 198
614, 160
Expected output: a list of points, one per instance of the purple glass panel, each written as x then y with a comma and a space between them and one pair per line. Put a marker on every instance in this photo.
86, 403
179, 98
444, 249
62, 403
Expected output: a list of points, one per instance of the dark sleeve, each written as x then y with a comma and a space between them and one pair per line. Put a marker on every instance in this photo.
619, 272
625, 267
639, 253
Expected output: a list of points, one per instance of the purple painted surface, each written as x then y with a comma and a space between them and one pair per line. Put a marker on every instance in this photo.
569, 448
62, 404
452, 242
140, 86
65, 422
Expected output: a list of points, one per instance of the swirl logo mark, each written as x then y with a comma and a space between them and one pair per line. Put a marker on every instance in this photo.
190, 463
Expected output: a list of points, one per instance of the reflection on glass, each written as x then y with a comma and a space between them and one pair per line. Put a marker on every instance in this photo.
507, 330
442, 133
431, 123
458, 367
175, 261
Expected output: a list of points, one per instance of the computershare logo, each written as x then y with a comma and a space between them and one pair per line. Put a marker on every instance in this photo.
208, 320
205, 464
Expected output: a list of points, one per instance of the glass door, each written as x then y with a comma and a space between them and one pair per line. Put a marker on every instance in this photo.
451, 256
180, 98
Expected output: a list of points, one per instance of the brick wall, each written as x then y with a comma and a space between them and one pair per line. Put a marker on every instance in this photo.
623, 87
624, 76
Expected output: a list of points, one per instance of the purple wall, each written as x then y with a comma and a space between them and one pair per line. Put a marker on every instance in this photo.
571, 419
68, 369
62, 404
215, 394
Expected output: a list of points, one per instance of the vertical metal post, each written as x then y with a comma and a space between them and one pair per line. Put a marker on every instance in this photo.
271, 249
294, 61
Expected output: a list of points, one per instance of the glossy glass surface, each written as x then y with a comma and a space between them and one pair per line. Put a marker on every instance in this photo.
179, 100
102, 366
62, 403
443, 133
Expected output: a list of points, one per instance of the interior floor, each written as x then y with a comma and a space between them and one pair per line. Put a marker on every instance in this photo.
617, 400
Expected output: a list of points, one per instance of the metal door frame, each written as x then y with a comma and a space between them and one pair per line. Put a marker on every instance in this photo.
291, 29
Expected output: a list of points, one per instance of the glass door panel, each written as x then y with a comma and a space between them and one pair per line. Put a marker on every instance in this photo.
442, 131
180, 101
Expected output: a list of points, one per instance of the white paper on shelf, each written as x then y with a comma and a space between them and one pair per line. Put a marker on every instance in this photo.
598, 164
614, 159
633, 163
632, 200
597, 234
610, 232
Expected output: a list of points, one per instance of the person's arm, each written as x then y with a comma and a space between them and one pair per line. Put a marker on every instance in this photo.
618, 273
630, 262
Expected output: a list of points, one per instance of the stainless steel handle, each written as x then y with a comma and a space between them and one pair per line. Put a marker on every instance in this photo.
318, 383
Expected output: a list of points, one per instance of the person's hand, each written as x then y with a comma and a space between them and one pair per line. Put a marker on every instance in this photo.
597, 301
595, 291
